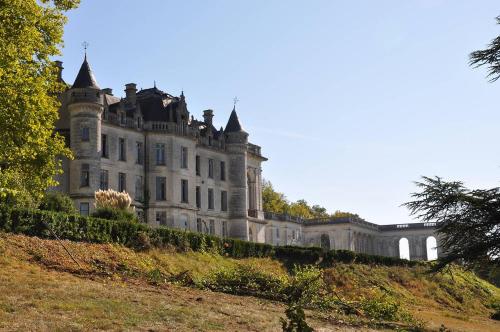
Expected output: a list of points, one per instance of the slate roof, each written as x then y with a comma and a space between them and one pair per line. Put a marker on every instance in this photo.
156, 105
85, 77
233, 125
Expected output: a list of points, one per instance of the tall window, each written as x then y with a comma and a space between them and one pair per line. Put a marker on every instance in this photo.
224, 228
184, 157
184, 191
84, 176
123, 119
161, 218
211, 168
212, 226
210, 199
104, 146
223, 200
199, 226
122, 182
223, 171
139, 190
84, 209
140, 153
121, 149
198, 197
160, 154
104, 180
198, 165
161, 188
85, 134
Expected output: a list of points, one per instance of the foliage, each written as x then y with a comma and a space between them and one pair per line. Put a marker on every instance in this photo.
276, 202
489, 57
272, 200
468, 220
346, 256
301, 209
246, 280
296, 320
30, 34
59, 202
382, 308
114, 214
112, 199
140, 236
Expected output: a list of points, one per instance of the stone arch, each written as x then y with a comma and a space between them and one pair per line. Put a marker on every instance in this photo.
325, 241
431, 248
404, 248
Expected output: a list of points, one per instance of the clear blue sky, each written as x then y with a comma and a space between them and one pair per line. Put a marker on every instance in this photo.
351, 101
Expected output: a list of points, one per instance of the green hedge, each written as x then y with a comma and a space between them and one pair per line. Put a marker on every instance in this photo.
90, 229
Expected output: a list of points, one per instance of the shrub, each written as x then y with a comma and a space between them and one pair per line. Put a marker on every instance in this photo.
245, 280
114, 214
296, 320
59, 202
112, 199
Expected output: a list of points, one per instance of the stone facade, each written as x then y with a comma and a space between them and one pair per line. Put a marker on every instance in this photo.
185, 173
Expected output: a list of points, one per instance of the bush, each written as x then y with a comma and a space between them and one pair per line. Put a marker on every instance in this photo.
59, 202
245, 280
114, 214
108, 225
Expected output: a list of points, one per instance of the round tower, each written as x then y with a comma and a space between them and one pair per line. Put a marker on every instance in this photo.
236, 146
85, 108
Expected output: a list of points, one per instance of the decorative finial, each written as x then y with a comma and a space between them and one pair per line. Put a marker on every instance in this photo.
235, 101
154, 84
85, 46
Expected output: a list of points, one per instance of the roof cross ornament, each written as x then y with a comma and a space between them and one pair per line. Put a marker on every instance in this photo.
85, 45
235, 101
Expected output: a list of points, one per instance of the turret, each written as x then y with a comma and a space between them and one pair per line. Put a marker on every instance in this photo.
85, 108
208, 116
236, 146
131, 92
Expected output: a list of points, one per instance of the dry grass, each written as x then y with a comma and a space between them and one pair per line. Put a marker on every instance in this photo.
115, 288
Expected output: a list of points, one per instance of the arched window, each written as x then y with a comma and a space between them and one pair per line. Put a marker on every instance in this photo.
431, 246
325, 241
404, 248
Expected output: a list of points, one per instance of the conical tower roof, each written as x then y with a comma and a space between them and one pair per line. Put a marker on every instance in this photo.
233, 125
85, 77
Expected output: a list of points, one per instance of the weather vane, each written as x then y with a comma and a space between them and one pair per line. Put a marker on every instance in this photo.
235, 101
85, 46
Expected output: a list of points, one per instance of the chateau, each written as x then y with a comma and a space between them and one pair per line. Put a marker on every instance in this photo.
183, 172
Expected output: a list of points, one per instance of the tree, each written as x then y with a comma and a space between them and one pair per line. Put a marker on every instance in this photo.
301, 209
468, 220
319, 211
488, 57
30, 34
55, 201
272, 200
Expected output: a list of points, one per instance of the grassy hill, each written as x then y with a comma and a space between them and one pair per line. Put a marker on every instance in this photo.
113, 287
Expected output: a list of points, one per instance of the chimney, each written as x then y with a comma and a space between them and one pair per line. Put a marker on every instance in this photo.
59, 69
107, 91
130, 92
207, 116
